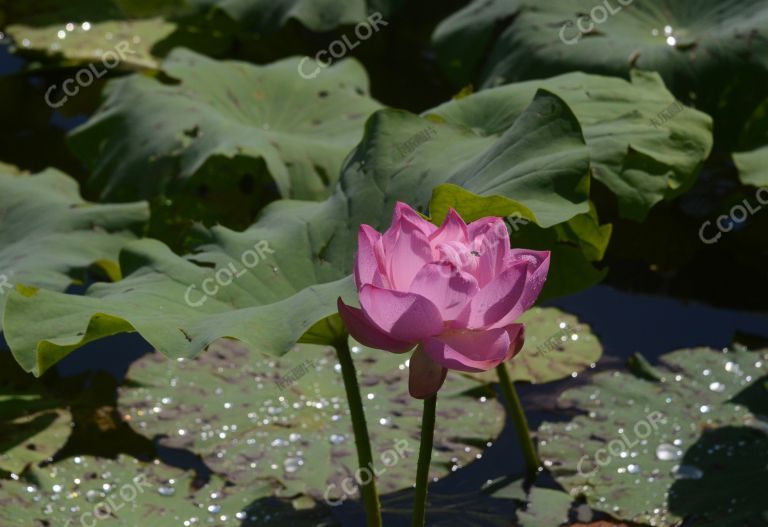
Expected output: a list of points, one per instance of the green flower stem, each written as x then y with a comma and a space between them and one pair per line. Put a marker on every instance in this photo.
360, 429
425, 456
518, 419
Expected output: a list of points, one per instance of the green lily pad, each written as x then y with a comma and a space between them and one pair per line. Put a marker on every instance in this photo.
82, 31
647, 451
270, 300
127, 493
34, 425
255, 418
541, 507
732, 458
258, 125
557, 346
123, 44
546, 508
641, 158
49, 236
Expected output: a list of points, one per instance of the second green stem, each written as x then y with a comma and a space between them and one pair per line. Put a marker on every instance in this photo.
519, 420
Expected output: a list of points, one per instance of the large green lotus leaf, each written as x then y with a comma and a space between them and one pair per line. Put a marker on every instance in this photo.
463, 39
536, 158
127, 493
34, 424
268, 306
557, 346
711, 52
267, 16
647, 450
637, 156
257, 123
311, 246
254, 417
49, 236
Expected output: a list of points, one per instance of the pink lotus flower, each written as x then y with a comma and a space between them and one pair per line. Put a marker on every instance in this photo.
453, 291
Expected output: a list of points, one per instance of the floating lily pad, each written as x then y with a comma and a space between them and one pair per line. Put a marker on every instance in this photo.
49, 236
125, 44
33, 423
647, 451
256, 418
127, 493
546, 508
81, 31
557, 345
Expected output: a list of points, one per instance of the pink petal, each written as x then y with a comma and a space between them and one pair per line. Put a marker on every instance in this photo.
498, 303
367, 333
406, 255
469, 350
480, 227
369, 260
401, 212
517, 338
446, 287
490, 240
538, 268
425, 376
452, 229
407, 317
